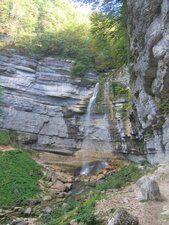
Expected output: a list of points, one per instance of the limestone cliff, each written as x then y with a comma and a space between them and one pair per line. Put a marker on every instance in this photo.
44, 105
148, 26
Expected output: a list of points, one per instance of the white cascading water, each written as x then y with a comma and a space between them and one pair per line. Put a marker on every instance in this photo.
90, 110
85, 169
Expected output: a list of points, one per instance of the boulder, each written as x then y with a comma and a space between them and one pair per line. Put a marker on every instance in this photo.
19, 221
28, 211
23, 223
62, 195
2, 215
69, 186
122, 217
59, 186
149, 188
47, 198
47, 210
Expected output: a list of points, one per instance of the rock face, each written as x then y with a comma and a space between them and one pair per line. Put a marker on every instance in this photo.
122, 217
149, 188
47, 108
43, 104
148, 26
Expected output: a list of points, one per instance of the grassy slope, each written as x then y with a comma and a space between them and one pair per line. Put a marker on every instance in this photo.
19, 176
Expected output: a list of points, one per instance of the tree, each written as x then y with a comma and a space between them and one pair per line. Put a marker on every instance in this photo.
112, 7
110, 40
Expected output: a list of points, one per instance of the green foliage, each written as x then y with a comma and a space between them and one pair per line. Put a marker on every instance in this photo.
63, 215
57, 28
126, 175
110, 35
37, 25
118, 90
8, 138
86, 214
4, 138
164, 106
79, 69
19, 176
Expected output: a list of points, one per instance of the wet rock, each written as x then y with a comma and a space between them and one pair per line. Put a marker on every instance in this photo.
149, 188
70, 179
2, 215
17, 209
23, 223
47, 210
19, 222
92, 184
100, 176
34, 202
61, 178
58, 186
28, 211
122, 217
62, 195
68, 186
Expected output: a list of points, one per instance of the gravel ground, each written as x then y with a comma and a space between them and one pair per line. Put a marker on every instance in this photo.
149, 212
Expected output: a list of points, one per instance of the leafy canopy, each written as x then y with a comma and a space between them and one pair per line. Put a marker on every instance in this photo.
58, 28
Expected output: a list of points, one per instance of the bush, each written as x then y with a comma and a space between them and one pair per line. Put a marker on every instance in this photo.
79, 69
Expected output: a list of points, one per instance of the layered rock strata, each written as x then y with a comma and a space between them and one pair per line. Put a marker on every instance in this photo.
44, 105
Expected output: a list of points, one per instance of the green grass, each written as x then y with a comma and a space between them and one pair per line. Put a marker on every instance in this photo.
126, 175
19, 176
4, 138
82, 210
8, 137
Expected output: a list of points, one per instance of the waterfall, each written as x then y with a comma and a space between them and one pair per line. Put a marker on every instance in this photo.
85, 169
90, 110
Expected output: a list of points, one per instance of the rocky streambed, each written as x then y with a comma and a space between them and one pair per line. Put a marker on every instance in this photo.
58, 183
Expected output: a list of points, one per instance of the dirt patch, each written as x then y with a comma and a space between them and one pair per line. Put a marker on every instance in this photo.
74, 160
6, 148
149, 212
